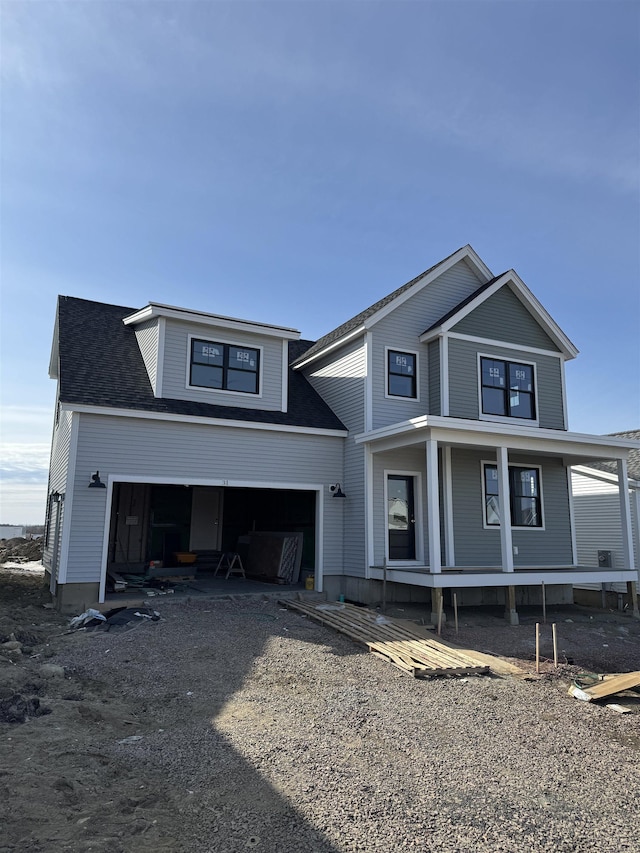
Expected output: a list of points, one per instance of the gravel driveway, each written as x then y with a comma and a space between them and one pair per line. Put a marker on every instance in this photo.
231, 725
267, 731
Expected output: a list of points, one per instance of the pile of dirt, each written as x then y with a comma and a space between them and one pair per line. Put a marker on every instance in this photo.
20, 550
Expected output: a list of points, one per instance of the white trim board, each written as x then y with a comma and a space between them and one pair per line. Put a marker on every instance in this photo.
401, 351
491, 342
461, 578
156, 309
417, 511
112, 479
194, 419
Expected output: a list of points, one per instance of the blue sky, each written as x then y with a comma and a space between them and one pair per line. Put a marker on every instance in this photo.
292, 162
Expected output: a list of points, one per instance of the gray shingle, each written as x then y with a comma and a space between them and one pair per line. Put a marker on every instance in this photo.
633, 462
101, 365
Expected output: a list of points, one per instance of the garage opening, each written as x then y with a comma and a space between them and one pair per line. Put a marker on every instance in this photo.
174, 531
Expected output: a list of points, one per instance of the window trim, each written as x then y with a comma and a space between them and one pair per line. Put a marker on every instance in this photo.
501, 419
401, 351
493, 463
229, 343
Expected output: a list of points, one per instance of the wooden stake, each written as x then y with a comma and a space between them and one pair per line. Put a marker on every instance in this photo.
544, 605
440, 597
555, 645
537, 647
455, 609
384, 586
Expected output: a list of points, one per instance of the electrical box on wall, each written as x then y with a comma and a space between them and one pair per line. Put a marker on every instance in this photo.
605, 559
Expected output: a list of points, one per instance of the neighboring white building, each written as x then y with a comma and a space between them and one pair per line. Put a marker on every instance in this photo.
600, 536
12, 531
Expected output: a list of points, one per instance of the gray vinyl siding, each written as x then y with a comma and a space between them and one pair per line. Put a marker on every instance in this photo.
503, 317
339, 378
477, 546
176, 361
183, 451
596, 509
340, 381
411, 459
433, 359
59, 464
463, 381
401, 330
147, 337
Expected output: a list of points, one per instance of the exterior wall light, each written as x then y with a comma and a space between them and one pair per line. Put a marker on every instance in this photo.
96, 482
337, 491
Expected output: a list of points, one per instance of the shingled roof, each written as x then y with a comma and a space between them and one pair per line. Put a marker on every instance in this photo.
101, 365
359, 319
633, 461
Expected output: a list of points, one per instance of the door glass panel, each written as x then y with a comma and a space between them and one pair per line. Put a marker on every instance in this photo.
400, 518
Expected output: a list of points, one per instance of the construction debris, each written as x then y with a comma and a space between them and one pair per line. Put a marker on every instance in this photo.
405, 649
606, 687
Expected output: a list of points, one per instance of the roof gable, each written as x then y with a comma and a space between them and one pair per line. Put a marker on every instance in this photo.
551, 329
374, 313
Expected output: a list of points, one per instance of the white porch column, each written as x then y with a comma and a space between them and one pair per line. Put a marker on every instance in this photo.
506, 542
625, 515
433, 506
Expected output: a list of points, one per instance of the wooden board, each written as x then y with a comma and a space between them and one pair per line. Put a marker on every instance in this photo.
608, 687
386, 639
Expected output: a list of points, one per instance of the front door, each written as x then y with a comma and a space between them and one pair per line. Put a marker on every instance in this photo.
401, 522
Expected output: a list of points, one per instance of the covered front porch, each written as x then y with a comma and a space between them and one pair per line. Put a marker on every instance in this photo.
455, 503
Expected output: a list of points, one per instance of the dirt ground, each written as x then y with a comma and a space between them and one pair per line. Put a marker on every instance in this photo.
72, 777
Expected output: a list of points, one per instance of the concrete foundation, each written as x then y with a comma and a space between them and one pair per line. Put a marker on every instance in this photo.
75, 598
371, 592
607, 600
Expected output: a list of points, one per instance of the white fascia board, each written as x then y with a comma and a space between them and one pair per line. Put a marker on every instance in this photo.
466, 253
527, 298
54, 358
193, 419
604, 476
483, 433
339, 342
462, 579
492, 342
154, 309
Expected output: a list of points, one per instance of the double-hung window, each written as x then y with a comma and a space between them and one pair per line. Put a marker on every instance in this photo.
524, 496
507, 389
401, 374
224, 367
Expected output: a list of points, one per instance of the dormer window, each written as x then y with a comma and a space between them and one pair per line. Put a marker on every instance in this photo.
224, 367
401, 374
507, 389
